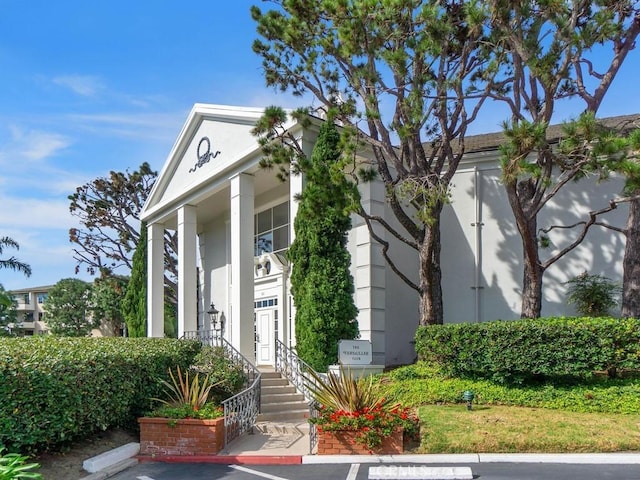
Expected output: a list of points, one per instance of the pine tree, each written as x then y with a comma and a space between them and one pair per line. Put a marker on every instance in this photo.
134, 305
321, 282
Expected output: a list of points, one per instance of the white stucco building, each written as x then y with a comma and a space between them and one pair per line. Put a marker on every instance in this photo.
235, 221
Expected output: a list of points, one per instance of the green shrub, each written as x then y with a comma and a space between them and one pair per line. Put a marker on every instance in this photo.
424, 384
209, 411
227, 377
593, 295
526, 351
57, 389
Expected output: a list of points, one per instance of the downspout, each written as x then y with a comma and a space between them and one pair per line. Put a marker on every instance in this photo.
478, 240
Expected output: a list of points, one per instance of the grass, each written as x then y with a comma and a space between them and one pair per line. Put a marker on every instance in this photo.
595, 415
502, 429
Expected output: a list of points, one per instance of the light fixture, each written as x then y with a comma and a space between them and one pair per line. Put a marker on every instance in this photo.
213, 313
468, 397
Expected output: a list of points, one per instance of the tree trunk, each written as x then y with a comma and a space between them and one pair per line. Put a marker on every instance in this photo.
631, 264
431, 309
520, 196
531, 282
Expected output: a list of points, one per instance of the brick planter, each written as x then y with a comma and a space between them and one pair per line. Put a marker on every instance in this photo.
163, 436
343, 443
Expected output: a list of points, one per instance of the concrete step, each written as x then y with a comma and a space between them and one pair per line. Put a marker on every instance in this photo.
266, 398
271, 374
290, 416
282, 407
277, 389
274, 382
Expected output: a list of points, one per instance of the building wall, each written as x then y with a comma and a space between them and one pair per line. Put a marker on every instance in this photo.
498, 250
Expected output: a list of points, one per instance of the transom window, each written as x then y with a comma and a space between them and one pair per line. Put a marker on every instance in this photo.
269, 302
272, 230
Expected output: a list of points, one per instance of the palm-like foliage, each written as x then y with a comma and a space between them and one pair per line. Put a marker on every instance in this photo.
13, 263
343, 392
186, 390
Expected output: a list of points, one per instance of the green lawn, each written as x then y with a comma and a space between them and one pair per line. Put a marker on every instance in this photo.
595, 415
500, 429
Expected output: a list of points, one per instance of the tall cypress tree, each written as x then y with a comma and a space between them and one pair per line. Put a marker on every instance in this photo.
134, 304
321, 282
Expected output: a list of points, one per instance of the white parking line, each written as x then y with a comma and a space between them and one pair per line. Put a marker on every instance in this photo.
353, 471
144, 477
256, 473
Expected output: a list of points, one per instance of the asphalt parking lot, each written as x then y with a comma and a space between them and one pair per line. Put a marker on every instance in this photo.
487, 471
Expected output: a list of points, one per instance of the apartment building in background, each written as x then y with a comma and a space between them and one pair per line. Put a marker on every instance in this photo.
31, 312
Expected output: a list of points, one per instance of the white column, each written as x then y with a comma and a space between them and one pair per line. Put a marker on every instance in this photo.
296, 183
187, 296
155, 280
242, 291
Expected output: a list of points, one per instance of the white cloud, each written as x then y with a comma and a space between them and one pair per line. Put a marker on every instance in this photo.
20, 213
84, 85
32, 145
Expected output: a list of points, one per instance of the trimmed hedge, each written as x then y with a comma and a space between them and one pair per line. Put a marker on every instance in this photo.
523, 351
56, 389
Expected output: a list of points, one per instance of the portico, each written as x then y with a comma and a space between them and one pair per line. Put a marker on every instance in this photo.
209, 191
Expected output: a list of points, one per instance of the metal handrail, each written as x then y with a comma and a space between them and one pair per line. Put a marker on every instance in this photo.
293, 368
241, 410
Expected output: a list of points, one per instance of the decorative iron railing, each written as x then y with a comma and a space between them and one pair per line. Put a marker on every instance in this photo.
293, 368
314, 412
241, 410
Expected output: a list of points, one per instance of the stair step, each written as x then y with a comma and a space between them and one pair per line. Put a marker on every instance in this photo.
281, 397
277, 389
270, 374
274, 382
290, 416
282, 407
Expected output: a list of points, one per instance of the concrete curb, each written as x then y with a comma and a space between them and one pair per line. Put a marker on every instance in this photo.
471, 458
225, 459
464, 458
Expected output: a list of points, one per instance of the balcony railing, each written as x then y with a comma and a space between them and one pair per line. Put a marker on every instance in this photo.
241, 410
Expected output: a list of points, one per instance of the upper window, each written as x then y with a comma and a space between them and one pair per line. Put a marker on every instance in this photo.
42, 297
272, 230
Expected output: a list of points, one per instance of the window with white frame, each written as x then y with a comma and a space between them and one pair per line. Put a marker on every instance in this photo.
272, 230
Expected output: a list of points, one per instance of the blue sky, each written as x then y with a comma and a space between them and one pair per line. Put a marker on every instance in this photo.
92, 86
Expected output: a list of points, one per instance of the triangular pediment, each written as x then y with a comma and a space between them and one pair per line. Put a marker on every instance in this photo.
214, 141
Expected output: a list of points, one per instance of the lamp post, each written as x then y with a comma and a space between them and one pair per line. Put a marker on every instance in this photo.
213, 313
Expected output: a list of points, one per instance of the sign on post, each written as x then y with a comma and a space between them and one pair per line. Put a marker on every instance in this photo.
354, 352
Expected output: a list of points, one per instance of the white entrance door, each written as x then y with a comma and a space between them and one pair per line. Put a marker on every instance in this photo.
264, 337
